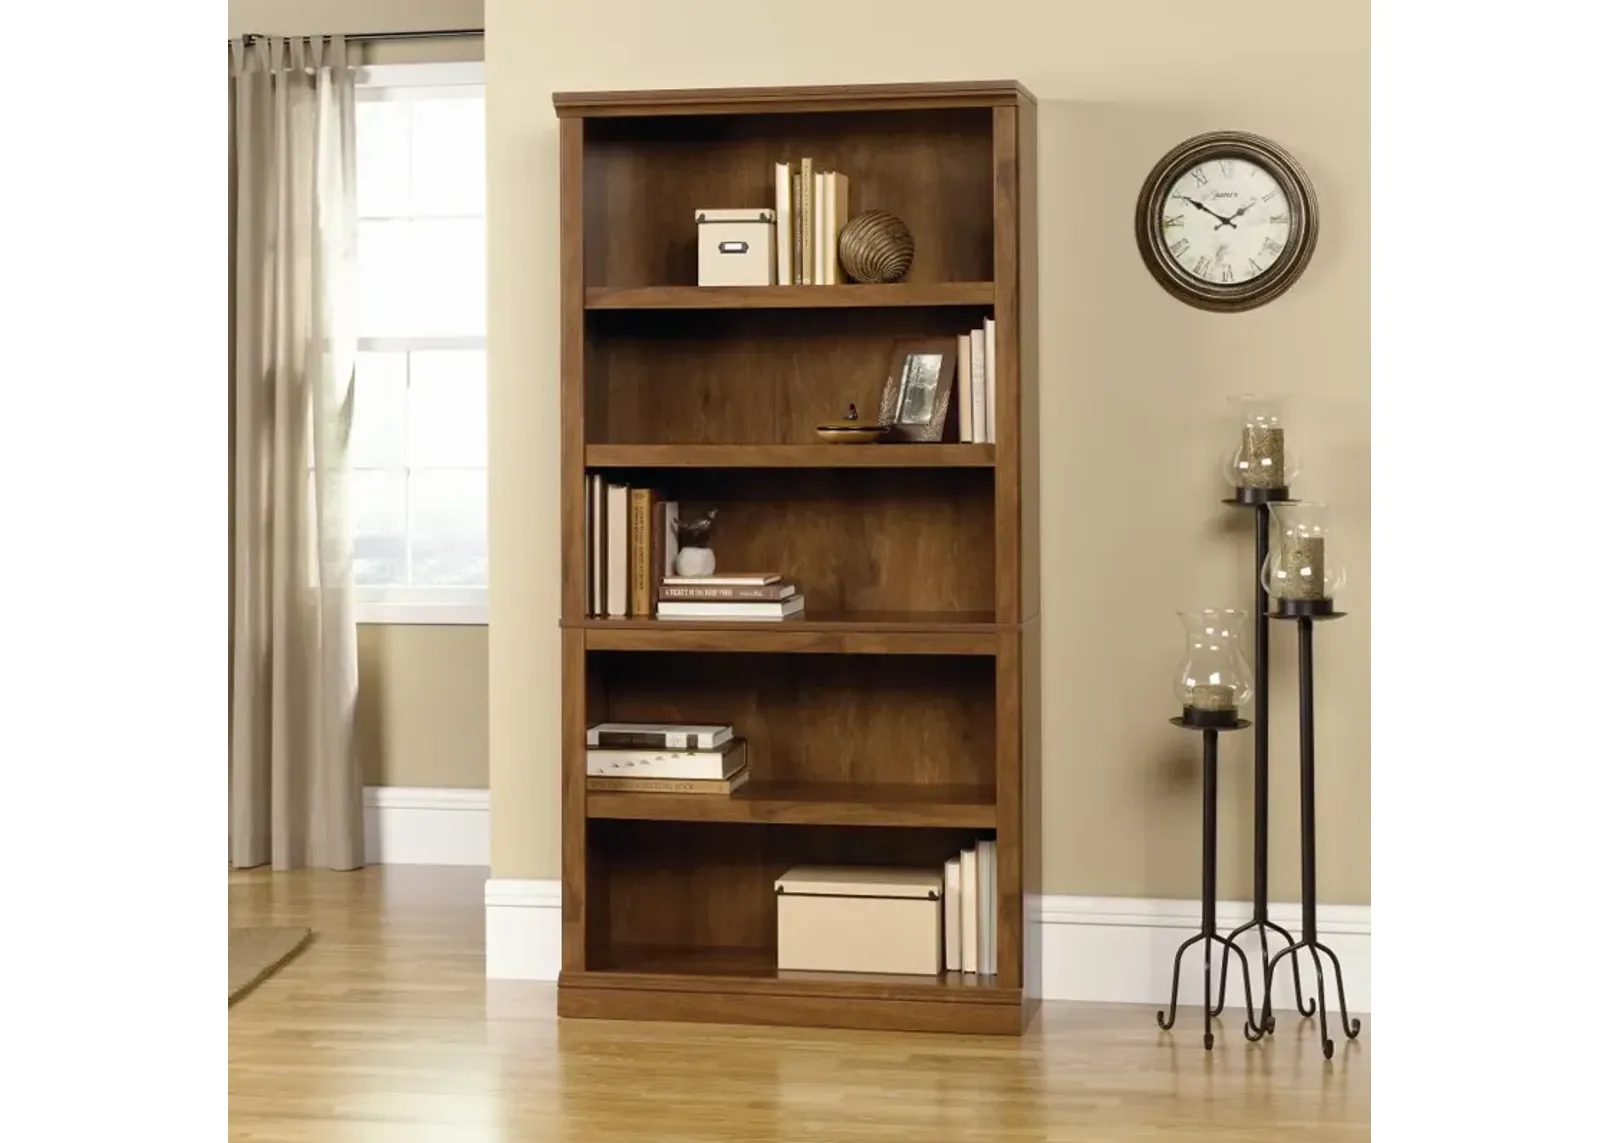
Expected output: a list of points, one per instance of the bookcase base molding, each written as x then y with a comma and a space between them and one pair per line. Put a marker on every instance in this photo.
894, 722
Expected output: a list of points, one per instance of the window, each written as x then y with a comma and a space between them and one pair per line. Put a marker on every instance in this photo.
419, 440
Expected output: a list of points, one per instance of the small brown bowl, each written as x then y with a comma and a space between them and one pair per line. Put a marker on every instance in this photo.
851, 432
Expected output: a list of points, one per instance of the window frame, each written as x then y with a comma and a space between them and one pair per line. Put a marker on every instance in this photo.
420, 606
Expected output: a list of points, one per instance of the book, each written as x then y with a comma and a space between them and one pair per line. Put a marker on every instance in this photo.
841, 214
964, 386
658, 735
669, 537
667, 785
796, 224
677, 591
807, 223
969, 910
952, 915
989, 374
980, 392
738, 609
723, 579
616, 541
597, 546
642, 580
785, 235
683, 765
986, 884
819, 226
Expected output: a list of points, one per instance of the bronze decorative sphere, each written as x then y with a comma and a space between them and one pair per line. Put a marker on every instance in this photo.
876, 247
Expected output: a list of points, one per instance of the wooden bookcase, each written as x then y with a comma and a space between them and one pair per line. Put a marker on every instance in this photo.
899, 720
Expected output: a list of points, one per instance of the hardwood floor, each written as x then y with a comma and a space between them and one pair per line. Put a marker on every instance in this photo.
384, 1029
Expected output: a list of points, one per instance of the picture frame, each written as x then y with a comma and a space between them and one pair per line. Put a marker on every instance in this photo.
915, 404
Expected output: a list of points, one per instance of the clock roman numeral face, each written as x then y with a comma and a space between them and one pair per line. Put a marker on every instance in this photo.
1225, 221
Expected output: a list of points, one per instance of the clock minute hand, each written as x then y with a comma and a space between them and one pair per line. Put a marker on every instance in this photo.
1194, 202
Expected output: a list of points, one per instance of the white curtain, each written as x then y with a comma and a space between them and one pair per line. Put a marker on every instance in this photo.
295, 787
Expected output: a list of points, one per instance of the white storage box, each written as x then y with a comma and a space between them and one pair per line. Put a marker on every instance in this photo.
738, 247
860, 919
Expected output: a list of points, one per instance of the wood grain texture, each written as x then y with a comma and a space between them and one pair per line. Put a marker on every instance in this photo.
865, 633
1007, 400
895, 295
1008, 809
1030, 826
575, 871
792, 456
575, 395
385, 1029
749, 377
811, 803
1027, 356
645, 178
873, 721
682, 892
759, 100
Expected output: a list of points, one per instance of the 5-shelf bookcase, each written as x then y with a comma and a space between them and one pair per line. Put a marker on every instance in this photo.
898, 721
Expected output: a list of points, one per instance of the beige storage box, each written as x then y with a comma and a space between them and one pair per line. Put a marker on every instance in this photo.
738, 247
860, 919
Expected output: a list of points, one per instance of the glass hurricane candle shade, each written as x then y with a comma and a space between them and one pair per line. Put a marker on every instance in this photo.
1214, 676
1302, 562
1258, 458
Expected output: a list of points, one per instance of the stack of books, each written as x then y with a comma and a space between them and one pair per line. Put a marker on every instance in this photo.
971, 885
812, 206
730, 595
665, 758
975, 370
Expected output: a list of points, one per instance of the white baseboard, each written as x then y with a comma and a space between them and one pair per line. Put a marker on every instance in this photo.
521, 929
425, 826
1116, 949
1120, 949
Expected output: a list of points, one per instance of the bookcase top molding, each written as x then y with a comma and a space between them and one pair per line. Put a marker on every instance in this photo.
768, 100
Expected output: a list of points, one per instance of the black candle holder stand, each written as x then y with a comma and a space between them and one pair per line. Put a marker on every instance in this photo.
1261, 500
1209, 724
1306, 613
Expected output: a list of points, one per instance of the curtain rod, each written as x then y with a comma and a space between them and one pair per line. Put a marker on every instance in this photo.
434, 34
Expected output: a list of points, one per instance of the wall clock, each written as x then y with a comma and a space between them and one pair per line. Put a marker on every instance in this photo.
1227, 221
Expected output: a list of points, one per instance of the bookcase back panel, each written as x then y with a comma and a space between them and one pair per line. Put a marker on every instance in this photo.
861, 719
677, 894
748, 376
644, 179
852, 540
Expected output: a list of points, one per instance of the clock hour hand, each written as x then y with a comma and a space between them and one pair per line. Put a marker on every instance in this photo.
1194, 202
1229, 220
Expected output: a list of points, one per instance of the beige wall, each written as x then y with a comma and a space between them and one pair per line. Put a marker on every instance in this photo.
1126, 372
422, 717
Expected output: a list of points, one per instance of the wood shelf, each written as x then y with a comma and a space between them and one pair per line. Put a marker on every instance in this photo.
788, 297
789, 456
810, 803
820, 632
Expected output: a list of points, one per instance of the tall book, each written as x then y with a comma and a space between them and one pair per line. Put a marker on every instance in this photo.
841, 215
597, 545
819, 226
980, 390
986, 884
964, 385
642, 551
807, 223
785, 237
969, 910
617, 551
989, 374
669, 537
829, 211
797, 226
952, 915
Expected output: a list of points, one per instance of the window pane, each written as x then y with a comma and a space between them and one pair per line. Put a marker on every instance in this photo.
384, 253
422, 279
447, 160
378, 527
378, 428
449, 410
383, 157
448, 299
449, 529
